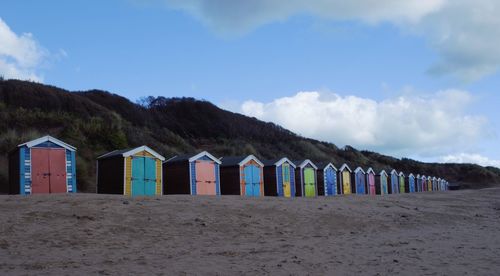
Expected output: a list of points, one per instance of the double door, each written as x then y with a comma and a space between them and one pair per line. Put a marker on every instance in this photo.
48, 171
252, 180
143, 176
205, 177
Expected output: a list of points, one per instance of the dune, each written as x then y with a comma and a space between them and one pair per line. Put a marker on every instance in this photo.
434, 233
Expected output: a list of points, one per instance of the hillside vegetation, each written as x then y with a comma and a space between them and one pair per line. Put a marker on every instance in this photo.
97, 122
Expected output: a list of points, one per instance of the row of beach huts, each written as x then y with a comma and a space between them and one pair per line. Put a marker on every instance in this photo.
47, 165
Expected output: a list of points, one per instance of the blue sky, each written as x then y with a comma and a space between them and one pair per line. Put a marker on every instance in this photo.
356, 68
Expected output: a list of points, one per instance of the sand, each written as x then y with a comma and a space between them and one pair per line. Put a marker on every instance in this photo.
434, 233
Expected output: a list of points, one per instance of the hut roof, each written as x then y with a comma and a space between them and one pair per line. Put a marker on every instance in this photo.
324, 165
302, 163
228, 161
401, 174
359, 169
345, 167
383, 172
394, 172
192, 157
131, 151
370, 170
278, 161
48, 138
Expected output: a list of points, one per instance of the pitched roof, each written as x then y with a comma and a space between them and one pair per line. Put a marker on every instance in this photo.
278, 161
359, 169
131, 151
193, 157
228, 161
46, 138
302, 163
324, 165
344, 167
370, 170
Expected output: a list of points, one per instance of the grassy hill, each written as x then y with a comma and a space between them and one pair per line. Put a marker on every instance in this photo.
97, 122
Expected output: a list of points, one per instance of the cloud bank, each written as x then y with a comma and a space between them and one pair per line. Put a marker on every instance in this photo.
430, 126
20, 55
465, 33
471, 158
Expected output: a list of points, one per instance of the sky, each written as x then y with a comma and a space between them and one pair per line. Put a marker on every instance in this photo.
415, 78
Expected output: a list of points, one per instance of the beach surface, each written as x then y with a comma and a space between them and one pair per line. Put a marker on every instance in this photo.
432, 233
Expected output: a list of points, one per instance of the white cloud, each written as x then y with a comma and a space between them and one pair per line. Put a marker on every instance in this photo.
20, 55
432, 125
465, 33
470, 158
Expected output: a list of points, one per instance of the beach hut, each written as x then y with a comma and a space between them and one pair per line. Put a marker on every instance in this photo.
242, 175
410, 183
429, 183
305, 178
41, 166
443, 185
358, 179
381, 187
434, 184
192, 174
438, 184
131, 172
394, 182
424, 183
370, 182
326, 176
402, 185
345, 180
279, 177
418, 182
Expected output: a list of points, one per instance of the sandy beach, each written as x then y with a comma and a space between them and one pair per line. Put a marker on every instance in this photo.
434, 233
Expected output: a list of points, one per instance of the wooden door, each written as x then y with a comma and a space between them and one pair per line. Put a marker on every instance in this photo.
48, 171
248, 181
40, 173
330, 182
57, 171
309, 185
346, 182
256, 180
138, 185
287, 187
371, 183
149, 176
360, 183
205, 177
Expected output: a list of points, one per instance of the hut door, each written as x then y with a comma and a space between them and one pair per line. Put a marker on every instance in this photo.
252, 181
248, 181
330, 182
309, 182
57, 167
256, 180
287, 188
371, 183
394, 184
138, 185
48, 170
150, 176
401, 184
346, 182
205, 178
360, 183
383, 183
40, 172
